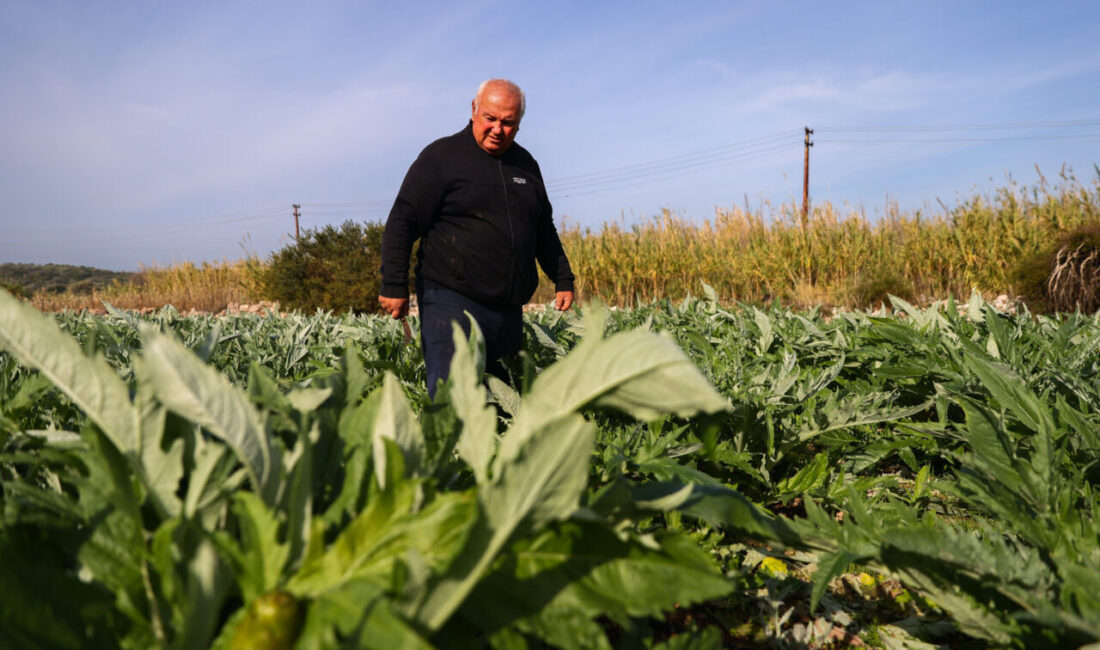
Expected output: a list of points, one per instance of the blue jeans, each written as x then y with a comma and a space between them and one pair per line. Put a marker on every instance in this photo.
502, 328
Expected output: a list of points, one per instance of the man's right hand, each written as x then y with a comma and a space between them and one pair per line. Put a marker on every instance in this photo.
396, 307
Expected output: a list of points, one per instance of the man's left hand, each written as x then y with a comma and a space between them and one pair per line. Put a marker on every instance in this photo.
563, 300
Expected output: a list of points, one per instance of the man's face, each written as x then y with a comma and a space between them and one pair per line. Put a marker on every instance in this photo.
496, 120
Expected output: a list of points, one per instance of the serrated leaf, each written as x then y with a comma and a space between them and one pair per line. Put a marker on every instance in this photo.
1012, 393
829, 567
30, 390
727, 508
909, 309
357, 615
542, 336
639, 373
544, 479
673, 499
124, 316
262, 556
709, 293
207, 586
394, 420
992, 446
920, 484
384, 533
667, 469
199, 393
767, 331
478, 441
561, 627
161, 470
201, 483
307, 400
114, 550
357, 377
507, 397
299, 501
584, 567
263, 390
206, 346
538, 481
708, 638
37, 342
929, 561
807, 479
975, 306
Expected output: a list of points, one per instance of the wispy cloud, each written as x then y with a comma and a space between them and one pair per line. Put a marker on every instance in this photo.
887, 91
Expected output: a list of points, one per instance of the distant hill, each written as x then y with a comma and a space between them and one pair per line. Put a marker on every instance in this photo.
58, 278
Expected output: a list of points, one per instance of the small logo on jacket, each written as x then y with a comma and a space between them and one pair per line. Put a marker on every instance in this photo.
519, 180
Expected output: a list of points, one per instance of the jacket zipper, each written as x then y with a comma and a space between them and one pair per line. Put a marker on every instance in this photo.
511, 229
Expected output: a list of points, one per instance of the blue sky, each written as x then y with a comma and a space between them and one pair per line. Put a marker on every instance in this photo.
156, 132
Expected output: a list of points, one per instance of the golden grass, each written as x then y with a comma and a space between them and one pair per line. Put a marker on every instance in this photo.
746, 256
207, 287
753, 258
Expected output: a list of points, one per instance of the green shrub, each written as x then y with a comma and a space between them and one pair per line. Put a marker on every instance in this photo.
330, 268
1064, 276
14, 289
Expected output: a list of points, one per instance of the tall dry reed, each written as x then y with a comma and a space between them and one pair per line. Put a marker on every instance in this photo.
755, 257
206, 287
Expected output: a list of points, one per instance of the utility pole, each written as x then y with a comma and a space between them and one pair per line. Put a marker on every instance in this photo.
296, 206
806, 181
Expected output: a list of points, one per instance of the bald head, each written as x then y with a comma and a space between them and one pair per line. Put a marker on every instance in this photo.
502, 87
497, 110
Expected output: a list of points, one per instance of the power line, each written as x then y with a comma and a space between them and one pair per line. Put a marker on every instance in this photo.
1073, 136
263, 214
612, 178
642, 179
365, 210
965, 127
350, 204
675, 163
713, 151
663, 170
308, 210
138, 234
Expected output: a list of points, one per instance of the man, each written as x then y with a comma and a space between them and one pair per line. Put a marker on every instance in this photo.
477, 203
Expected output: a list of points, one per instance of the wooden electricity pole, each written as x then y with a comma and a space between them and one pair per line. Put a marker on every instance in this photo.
296, 206
806, 181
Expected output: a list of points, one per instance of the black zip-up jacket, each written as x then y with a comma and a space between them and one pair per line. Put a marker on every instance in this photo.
482, 222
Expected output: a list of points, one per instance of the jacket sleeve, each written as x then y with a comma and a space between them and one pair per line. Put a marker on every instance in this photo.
413, 211
550, 253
